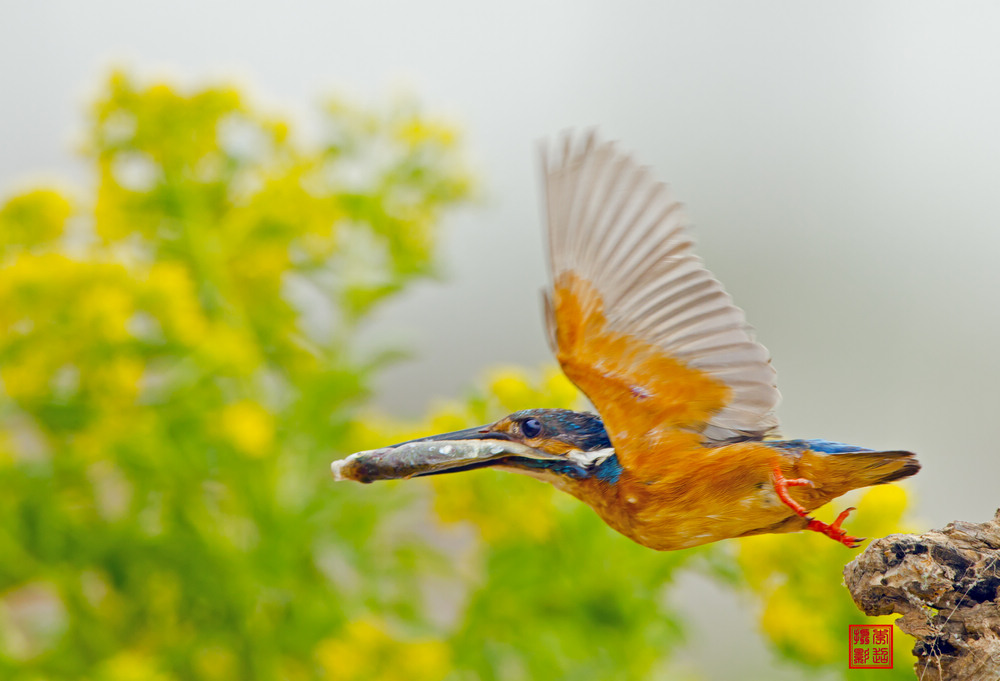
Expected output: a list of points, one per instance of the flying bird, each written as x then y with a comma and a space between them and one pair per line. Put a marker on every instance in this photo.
683, 449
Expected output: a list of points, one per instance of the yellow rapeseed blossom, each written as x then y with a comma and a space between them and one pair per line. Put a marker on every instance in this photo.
216, 663
800, 629
375, 430
366, 652
27, 377
427, 660
416, 131
448, 416
105, 309
231, 350
171, 291
501, 510
559, 390
131, 665
249, 427
134, 424
880, 511
34, 217
514, 389
123, 366
6, 450
264, 262
117, 381
510, 387
112, 220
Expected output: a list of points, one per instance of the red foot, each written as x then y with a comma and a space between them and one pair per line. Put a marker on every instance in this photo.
833, 531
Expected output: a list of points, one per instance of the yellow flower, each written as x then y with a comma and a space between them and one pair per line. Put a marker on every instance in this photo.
249, 427
496, 507
366, 652
880, 511
264, 261
35, 217
231, 350
341, 660
792, 625
111, 220
514, 389
26, 378
175, 302
447, 417
510, 386
426, 659
416, 131
216, 662
105, 309
118, 380
559, 389
375, 430
6, 450
131, 665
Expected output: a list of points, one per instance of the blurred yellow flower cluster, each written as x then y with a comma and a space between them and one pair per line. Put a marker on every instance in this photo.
249, 426
365, 651
170, 290
132, 665
35, 217
58, 316
168, 403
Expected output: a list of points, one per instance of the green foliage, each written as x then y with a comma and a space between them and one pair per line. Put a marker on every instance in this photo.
179, 364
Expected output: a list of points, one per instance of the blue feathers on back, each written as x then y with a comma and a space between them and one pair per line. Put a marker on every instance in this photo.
823, 446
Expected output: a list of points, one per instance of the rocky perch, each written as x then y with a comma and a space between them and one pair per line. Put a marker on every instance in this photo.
946, 585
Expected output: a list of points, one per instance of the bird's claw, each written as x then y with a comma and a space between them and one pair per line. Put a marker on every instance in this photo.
833, 530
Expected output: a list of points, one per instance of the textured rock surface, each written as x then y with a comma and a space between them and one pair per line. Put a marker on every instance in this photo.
945, 584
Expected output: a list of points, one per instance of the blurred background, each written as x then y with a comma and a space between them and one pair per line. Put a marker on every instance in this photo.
239, 241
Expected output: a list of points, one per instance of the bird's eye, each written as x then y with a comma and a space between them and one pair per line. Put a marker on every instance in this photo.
531, 428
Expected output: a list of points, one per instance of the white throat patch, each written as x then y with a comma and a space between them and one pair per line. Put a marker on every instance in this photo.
590, 459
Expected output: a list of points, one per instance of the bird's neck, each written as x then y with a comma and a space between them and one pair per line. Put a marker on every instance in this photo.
609, 470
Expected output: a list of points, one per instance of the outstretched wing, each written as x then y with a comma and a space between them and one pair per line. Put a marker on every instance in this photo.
634, 318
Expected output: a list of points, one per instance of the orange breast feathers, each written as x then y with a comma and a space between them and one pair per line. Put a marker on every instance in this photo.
679, 494
640, 391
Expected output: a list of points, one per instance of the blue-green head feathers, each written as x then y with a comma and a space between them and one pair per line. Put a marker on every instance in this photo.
581, 430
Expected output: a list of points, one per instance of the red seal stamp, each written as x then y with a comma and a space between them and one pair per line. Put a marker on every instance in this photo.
869, 646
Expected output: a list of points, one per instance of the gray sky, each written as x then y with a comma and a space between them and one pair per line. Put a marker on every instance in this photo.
840, 162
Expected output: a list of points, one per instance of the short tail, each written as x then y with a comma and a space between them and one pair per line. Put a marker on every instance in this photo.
876, 468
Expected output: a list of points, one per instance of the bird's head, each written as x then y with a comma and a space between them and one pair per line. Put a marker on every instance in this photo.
557, 445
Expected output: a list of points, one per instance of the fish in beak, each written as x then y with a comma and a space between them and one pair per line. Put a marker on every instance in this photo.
536, 442
446, 453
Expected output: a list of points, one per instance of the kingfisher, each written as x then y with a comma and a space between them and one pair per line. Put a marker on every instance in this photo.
683, 449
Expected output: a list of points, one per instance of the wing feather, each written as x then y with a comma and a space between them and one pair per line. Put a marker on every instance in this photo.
633, 316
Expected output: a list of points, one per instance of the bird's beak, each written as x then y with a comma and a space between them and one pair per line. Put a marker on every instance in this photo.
446, 453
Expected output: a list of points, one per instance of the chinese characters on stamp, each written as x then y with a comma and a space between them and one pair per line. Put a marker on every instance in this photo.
869, 646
